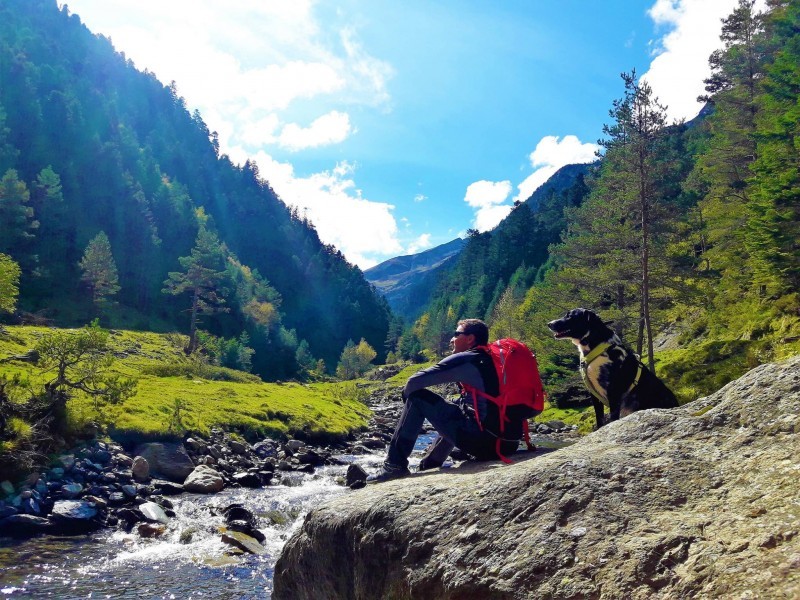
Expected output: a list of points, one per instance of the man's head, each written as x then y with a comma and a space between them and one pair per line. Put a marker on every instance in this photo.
469, 333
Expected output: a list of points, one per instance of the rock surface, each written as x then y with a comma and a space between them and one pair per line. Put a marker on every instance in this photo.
702, 501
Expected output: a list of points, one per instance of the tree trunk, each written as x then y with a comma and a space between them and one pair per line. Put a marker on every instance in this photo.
193, 322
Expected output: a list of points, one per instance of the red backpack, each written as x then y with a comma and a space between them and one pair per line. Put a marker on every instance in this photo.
520, 384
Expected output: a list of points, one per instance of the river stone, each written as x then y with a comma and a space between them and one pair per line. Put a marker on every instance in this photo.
71, 490
249, 480
244, 542
151, 530
7, 511
129, 490
25, 525
153, 512
167, 460
238, 447
67, 461
204, 480
198, 446
295, 445
7, 487
355, 474
73, 510
124, 460
699, 501
140, 468
166, 488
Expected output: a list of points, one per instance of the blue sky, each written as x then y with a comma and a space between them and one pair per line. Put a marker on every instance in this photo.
396, 126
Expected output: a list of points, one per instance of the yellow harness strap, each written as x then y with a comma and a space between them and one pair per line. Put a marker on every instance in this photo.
587, 360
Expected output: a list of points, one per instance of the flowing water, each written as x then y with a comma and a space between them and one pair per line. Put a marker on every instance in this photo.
115, 564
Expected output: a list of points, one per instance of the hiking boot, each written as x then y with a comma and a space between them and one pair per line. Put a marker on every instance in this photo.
387, 472
425, 465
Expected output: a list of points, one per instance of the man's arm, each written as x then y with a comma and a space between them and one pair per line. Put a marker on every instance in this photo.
454, 368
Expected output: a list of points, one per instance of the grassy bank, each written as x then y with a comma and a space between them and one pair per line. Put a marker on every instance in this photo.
176, 394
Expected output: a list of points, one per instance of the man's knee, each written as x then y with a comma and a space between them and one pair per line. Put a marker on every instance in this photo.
424, 397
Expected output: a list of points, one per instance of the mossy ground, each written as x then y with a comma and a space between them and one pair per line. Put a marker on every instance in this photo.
194, 397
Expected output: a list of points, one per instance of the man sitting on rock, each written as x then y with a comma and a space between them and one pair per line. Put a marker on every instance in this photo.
455, 422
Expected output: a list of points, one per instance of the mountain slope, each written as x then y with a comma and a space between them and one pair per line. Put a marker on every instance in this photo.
405, 280
126, 157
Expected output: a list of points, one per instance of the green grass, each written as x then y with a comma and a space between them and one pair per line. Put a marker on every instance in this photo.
207, 396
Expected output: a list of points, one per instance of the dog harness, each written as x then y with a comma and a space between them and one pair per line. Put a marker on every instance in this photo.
587, 360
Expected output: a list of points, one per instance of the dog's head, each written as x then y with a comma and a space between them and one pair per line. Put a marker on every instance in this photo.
577, 324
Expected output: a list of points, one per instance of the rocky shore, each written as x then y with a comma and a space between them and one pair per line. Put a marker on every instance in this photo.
101, 484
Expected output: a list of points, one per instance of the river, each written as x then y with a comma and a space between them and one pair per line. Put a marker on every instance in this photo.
115, 564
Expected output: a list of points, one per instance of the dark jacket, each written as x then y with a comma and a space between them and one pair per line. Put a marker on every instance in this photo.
474, 368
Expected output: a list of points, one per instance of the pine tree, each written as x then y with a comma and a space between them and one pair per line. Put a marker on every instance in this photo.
16, 220
608, 255
99, 271
202, 277
9, 283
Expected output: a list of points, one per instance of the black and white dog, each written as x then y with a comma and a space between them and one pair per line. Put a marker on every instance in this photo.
612, 373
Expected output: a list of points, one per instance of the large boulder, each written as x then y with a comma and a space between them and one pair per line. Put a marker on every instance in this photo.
204, 480
170, 461
699, 501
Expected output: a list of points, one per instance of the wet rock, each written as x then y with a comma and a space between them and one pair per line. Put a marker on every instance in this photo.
140, 468
243, 542
249, 480
151, 530
354, 475
7, 511
170, 461
265, 449
373, 443
187, 535
71, 491
7, 488
166, 488
153, 512
204, 480
129, 490
246, 528
309, 457
20, 525
74, 516
237, 512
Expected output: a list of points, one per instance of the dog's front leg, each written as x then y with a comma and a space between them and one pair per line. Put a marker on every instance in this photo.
599, 417
614, 404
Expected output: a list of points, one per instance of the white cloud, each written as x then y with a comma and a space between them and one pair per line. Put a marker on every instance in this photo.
681, 62
249, 63
331, 128
487, 198
549, 156
421, 243
362, 229
420, 198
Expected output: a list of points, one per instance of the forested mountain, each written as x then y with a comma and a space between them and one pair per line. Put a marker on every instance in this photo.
90, 145
407, 281
506, 259
686, 235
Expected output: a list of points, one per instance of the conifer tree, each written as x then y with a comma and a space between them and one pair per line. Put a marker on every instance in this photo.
16, 220
607, 255
9, 283
99, 271
202, 277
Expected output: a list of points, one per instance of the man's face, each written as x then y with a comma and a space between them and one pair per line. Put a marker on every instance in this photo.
461, 341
